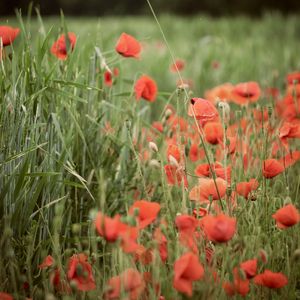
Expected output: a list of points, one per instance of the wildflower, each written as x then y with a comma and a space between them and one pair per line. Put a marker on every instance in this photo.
128, 46
47, 262
8, 35
249, 267
175, 175
272, 167
246, 92
178, 65
130, 282
146, 88
219, 229
203, 110
186, 270
245, 188
271, 280
5, 296
239, 286
286, 216
213, 132
80, 272
59, 47
147, 212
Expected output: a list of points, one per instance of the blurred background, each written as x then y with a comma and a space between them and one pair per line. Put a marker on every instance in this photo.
253, 8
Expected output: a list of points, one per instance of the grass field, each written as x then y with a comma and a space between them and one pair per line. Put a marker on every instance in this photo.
71, 147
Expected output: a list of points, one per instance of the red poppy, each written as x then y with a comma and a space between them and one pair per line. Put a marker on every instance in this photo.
249, 267
80, 272
290, 159
174, 151
239, 286
5, 296
128, 46
8, 34
162, 244
286, 216
292, 78
130, 282
146, 88
59, 47
175, 175
147, 212
271, 280
219, 93
60, 284
107, 227
272, 167
203, 110
143, 255
290, 130
245, 188
178, 65
186, 226
213, 132
158, 126
47, 262
186, 270
108, 76
246, 92
196, 153
206, 189
219, 229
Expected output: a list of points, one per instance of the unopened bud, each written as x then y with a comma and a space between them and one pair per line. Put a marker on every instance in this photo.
153, 146
168, 112
173, 161
154, 163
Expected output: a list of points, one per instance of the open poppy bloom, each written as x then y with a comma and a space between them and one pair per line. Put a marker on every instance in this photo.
107, 227
219, 93
249, 267
245, 188
219, 229
8, 34
239, 286
128, 46
80, 272
286, 216
292, 78
147, 212
213, 132
47, 262
272, 167
178, 65
271, 280
59, 47
146, 88
6, 296
208, 189
186, 270
246, 92
203, 110
130, 282
175, 176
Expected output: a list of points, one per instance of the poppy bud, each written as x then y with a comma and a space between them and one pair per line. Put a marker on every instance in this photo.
173, 161
154, 163
153, 147
296, 254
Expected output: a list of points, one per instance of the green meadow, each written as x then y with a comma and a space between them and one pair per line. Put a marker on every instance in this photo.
71, 146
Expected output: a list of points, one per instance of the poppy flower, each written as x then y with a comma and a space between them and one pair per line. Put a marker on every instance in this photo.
186, 226
196, 153
213, 132
175, 176
130, 282
219, 229
271, 280
158, 126
147, 212
292, 78
186, 270
272, 167
219, 93
206, 189
146, 88
108, 77
128, 46
286, 216
178, 65
249, 267
8, 34
173, 150
290, 159
246, 92
203, 110
47, 262
239, 286
245, 188
80, 272
59, 283
143, 255
290, 130
59, 47
107, 227
6, 296
162, 244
